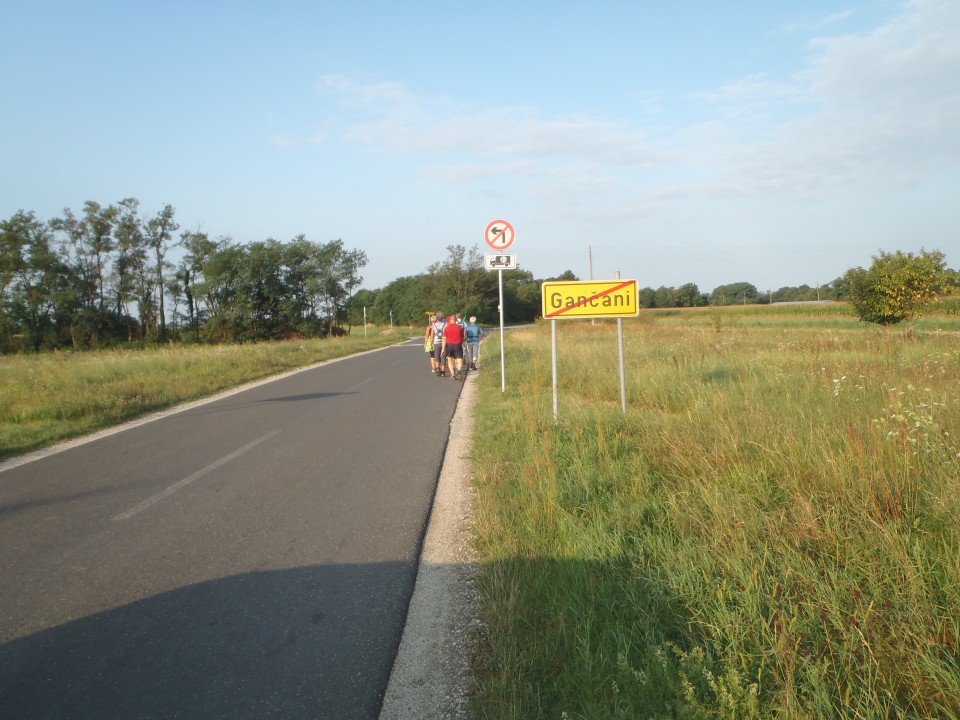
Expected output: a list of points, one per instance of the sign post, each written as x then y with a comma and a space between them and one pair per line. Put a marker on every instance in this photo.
564, 300
499, 235
623, 371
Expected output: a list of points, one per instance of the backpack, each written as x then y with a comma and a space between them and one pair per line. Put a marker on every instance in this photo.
473, 332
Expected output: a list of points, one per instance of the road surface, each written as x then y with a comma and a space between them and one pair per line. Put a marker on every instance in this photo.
252, 557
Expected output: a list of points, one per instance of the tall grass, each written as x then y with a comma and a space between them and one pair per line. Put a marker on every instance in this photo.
770, 531
49, 397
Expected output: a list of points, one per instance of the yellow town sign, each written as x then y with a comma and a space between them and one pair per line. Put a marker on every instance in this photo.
590, 299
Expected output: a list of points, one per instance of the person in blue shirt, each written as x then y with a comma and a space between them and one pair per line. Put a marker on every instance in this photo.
474, 333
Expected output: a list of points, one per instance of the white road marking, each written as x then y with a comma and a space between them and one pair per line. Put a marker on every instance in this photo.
359, 385
196, 476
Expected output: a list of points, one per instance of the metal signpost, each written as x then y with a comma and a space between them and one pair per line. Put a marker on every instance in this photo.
499, 235
564, 300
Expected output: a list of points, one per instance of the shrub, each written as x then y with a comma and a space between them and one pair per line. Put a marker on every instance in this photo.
896, 286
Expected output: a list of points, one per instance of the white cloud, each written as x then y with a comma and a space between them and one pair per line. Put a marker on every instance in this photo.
284, 141
883, 110
390, 118
751, 96
873, 110
356, 93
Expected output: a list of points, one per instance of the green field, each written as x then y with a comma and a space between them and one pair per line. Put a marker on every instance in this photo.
769, 532
50, 397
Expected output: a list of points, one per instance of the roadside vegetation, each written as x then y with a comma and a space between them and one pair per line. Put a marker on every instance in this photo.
769, 532
48, 397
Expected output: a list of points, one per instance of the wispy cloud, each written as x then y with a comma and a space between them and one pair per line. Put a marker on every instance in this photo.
877, 107
883, 107
285, 141
404, 123
356, 93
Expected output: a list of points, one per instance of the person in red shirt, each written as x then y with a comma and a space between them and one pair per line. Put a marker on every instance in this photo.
453, 347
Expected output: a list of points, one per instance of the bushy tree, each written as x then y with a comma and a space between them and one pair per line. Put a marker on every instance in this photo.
688, 295
527, 297
30, 276
896, 285
403, 299
648, 298
459, 283
734, 294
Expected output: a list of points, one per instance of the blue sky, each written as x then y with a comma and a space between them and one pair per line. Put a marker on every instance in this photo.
773, 143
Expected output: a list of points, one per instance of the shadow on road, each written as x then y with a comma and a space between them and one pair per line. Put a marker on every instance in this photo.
305, 396
286, 644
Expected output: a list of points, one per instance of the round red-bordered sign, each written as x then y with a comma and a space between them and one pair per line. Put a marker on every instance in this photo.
499, 234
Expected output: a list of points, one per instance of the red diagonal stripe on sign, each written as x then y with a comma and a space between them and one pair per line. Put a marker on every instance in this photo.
613, 289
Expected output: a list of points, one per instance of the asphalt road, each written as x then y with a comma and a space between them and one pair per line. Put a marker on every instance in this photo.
252, 557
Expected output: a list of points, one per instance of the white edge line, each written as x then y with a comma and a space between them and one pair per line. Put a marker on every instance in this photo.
189, 479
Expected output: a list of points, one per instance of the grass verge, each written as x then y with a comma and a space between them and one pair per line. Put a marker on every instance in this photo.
769, 532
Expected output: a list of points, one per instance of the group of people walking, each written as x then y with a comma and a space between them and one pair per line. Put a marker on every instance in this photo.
453, 346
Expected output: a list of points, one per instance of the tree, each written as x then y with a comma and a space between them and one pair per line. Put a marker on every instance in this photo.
456, 284
896, 285
335, 277
261, 291
297, 264
159, 234
741, 293
527, 296
405, 298
89, 240
688, 295
131, 255
30, 273
647, 297
663, 297
365, 300
219, 290
199, 248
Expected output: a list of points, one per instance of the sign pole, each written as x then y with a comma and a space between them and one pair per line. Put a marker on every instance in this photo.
553, 342
623, 371
500, 235
503, 365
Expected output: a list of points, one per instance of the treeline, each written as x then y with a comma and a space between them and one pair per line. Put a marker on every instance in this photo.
457, 284
106, 276
461, 284
740, 293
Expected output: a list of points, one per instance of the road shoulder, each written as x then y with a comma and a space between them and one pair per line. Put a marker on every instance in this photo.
431, 674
